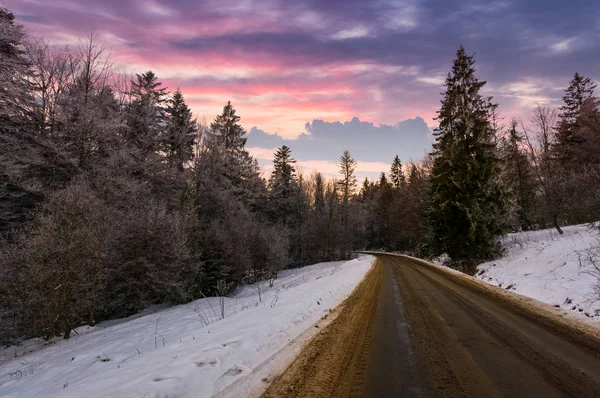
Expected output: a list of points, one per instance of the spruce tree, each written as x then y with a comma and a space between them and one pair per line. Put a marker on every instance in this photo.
230, 132
396, 173
283, 187
319, 201
382, 210
466, 200
181, 134
580, 90
146, 115
348, 185
518, 176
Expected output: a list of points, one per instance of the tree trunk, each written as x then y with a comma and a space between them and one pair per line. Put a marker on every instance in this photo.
555, 221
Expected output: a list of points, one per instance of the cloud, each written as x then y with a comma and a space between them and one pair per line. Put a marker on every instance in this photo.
432, 80
352, 33
410, 139
282, 63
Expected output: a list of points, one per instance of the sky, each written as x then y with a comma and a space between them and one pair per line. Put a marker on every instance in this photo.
329, 75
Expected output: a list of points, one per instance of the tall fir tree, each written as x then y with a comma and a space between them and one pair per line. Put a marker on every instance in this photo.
568, 137
518, 176
466, 200
396, 173
146, 116
283, 187
182, 130
348, 185
227, 126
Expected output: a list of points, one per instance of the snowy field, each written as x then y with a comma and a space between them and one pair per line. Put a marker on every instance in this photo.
545, 266
183, 351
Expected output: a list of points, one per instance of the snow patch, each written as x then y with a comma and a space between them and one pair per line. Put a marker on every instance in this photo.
545, 265
183, 351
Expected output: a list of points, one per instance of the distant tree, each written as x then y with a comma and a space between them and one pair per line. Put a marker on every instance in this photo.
383, 213
467, 202
579, 91
284, 191
182, 131
284, 173
146, 115
553, 182
518, 175
396, 174
347, 185
319, 192
230, 132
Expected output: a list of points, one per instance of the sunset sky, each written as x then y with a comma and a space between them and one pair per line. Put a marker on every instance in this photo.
294, 67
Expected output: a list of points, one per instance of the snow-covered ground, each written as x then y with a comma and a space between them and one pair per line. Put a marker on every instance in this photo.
183, 351
545, 266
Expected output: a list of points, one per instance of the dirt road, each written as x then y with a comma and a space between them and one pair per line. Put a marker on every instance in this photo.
413, 330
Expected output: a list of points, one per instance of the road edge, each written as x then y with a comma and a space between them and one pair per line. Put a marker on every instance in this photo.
254, 385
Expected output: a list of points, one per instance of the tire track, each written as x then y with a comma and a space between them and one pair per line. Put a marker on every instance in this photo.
334, 363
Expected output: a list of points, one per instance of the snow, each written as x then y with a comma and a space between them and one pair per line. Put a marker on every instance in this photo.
545, 265
183, 351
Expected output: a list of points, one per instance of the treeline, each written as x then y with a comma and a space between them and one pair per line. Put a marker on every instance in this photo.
484, 179
114, 198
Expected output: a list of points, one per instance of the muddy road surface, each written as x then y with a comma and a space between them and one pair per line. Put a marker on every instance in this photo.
414, 330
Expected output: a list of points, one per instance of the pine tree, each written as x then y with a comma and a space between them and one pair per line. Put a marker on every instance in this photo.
365, 190
230, 132
467, 202
283, 187
396, 173
518, 176
382, 210
146, 116
347, 185
181, 132
29, 165
579, 91
284, 173
319, 201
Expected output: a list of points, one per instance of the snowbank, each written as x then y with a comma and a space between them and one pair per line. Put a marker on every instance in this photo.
185, 350
545, 266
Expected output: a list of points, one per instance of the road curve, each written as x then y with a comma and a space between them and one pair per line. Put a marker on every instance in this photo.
413, 330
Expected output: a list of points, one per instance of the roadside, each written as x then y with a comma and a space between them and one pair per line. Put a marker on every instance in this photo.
186, 350
447, 335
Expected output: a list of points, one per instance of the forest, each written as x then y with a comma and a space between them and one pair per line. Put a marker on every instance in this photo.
114, 198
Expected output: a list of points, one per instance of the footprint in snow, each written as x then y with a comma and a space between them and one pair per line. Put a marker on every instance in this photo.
157, 379
236, 370
207, 362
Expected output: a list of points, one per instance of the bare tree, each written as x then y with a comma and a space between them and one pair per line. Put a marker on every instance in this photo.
552, 180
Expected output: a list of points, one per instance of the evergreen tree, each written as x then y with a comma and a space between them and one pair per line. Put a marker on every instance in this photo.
382, 210
283, 187
181, 132
467, 202
230, 132
146, 116
365, 191
284, 173
348, 185
518, 176
579, 91
29, 165
396, 173
319, 202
